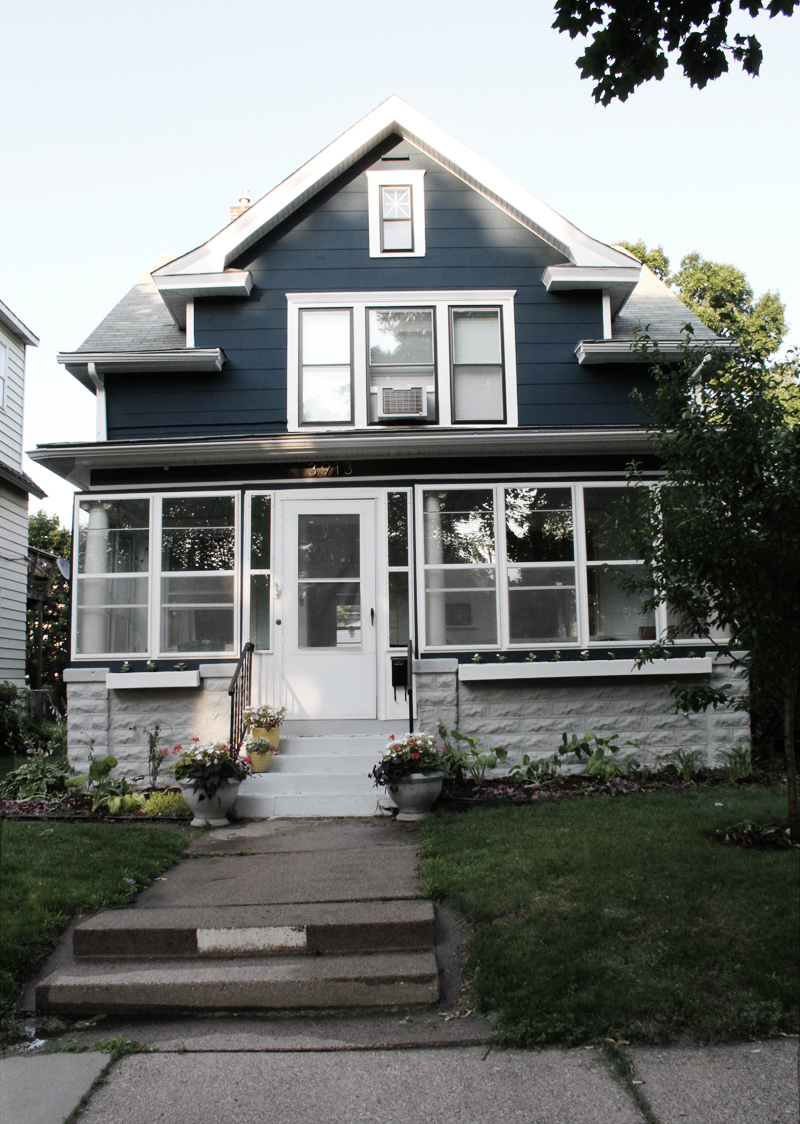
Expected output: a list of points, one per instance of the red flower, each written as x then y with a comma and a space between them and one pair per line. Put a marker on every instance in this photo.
163, 753
414, 756
175, 748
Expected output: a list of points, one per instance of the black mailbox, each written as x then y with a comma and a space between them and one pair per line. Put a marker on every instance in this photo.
399, 672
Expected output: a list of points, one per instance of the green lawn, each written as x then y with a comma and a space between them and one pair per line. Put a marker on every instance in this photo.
615, 916
47, 873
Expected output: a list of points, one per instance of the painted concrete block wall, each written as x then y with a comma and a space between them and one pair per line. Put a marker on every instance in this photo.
115, 721
529, 716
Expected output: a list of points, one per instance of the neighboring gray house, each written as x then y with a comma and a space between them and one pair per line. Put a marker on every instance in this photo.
15, 487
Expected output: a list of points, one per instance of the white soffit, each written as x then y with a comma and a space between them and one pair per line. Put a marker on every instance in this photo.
176, 291
618, 281
392, 116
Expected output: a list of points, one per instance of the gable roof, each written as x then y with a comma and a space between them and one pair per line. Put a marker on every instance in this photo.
12, 324
651, 302
393, 116
139, 322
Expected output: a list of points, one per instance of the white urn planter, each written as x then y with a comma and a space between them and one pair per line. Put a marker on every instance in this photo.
211, 810
414, 795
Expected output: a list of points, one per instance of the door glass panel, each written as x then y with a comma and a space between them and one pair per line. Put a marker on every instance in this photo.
259, 533
329, 546
329, 614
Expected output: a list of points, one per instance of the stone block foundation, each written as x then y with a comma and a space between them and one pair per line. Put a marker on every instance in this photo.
530, 715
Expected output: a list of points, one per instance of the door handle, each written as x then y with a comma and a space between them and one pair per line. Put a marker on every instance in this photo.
372, 616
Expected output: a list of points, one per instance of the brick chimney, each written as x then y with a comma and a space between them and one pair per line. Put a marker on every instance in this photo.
242, 205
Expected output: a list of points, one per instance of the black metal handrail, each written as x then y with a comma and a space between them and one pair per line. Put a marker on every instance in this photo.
239, 691
410, 684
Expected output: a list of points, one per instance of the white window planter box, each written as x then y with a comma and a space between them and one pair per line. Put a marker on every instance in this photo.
121, 681
568, 669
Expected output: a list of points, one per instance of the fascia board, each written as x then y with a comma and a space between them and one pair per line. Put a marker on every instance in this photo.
21, 480
393, 116
188, 360
177, 290
595, 352
14, 325
618, 281
79, 459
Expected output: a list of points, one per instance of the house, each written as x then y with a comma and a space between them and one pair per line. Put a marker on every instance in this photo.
390, 400
15, 487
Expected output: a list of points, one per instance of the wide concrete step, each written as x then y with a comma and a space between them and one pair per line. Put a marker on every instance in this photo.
309, 782
324, 763
337, 745
252, 983
316, 928
266, 804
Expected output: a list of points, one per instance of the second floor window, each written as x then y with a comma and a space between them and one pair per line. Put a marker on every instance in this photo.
397, 232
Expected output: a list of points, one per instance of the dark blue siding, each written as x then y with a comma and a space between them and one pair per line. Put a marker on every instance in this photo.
325, 247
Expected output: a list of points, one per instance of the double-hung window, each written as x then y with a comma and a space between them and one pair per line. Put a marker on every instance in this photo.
523, 565
156, 576
424, 357
396, 202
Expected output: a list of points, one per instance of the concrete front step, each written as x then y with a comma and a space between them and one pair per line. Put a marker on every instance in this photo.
336, 745
253, 803
315, 928
251, 983
323, 763
285, 782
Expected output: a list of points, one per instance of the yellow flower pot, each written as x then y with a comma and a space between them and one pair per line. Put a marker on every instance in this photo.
260, 762
272, 736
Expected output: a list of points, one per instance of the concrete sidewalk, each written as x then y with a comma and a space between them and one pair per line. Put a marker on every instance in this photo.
755, 1083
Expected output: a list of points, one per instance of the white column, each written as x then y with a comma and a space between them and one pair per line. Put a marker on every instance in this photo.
95, 561
436, 635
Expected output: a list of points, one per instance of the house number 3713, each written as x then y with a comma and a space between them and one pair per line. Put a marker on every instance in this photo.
344, 469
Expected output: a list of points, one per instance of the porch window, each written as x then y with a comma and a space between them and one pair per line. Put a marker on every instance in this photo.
399, 621
260, 571
613, 613
460, 567
198, 564
326, 382
540, 552
113, 577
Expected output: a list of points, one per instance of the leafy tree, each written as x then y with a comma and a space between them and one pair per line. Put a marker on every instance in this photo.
720, 533
633, 38
721, 297
46, 533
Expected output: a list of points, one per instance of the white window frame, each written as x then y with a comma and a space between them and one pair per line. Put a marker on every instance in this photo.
441, 300
413, 178
154, 574
390, 569
248, 570
3, 366
582, 643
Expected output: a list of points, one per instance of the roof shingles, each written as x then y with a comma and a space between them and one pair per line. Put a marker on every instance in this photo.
140, 322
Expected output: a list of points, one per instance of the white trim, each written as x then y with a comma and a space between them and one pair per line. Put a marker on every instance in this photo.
175, 290
393, 116
248, 571
593, 352
3, 368
190, 323
101, 419
441, 300
11, 323
606, 316
118, 681
415, 178
189, 360
618, 281
571, 669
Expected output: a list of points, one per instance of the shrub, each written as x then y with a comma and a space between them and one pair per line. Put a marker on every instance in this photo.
165, 804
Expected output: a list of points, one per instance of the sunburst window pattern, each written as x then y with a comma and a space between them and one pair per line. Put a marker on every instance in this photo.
397, 232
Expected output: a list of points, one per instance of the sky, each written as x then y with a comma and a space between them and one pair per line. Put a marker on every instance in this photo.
129, 128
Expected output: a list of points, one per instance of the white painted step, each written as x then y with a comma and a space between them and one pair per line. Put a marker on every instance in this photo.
307, 782
333, 744
323, 763
265, 805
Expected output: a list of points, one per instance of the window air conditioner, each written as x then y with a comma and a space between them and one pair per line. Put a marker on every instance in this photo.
402, 402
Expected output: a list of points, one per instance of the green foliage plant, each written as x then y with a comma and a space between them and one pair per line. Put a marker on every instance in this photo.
686, 762
468, 757
542, 769
12, 718
600, 755
41, 776
630, 43
165, 804
719, 533
411, 753
46, 533
110, 794
737, 761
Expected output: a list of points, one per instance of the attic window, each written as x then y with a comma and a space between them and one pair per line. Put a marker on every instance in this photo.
396, 202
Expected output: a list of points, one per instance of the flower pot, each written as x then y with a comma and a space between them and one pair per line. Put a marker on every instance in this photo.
415, 794
273, 736
260, 762
210, 810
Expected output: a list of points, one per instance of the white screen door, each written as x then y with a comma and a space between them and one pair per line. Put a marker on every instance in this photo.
328, 609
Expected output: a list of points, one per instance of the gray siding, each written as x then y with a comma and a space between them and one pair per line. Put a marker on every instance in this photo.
11, 411
13, 583
324, 246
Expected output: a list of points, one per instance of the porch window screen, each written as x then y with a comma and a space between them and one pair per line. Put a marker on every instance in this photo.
260, 571
112, 582
477, 365
198, 563
540, 552
613, 613
326, 367
399, 624
460, 567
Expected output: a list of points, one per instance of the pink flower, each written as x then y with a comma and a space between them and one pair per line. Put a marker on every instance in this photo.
163, 753
414, 756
